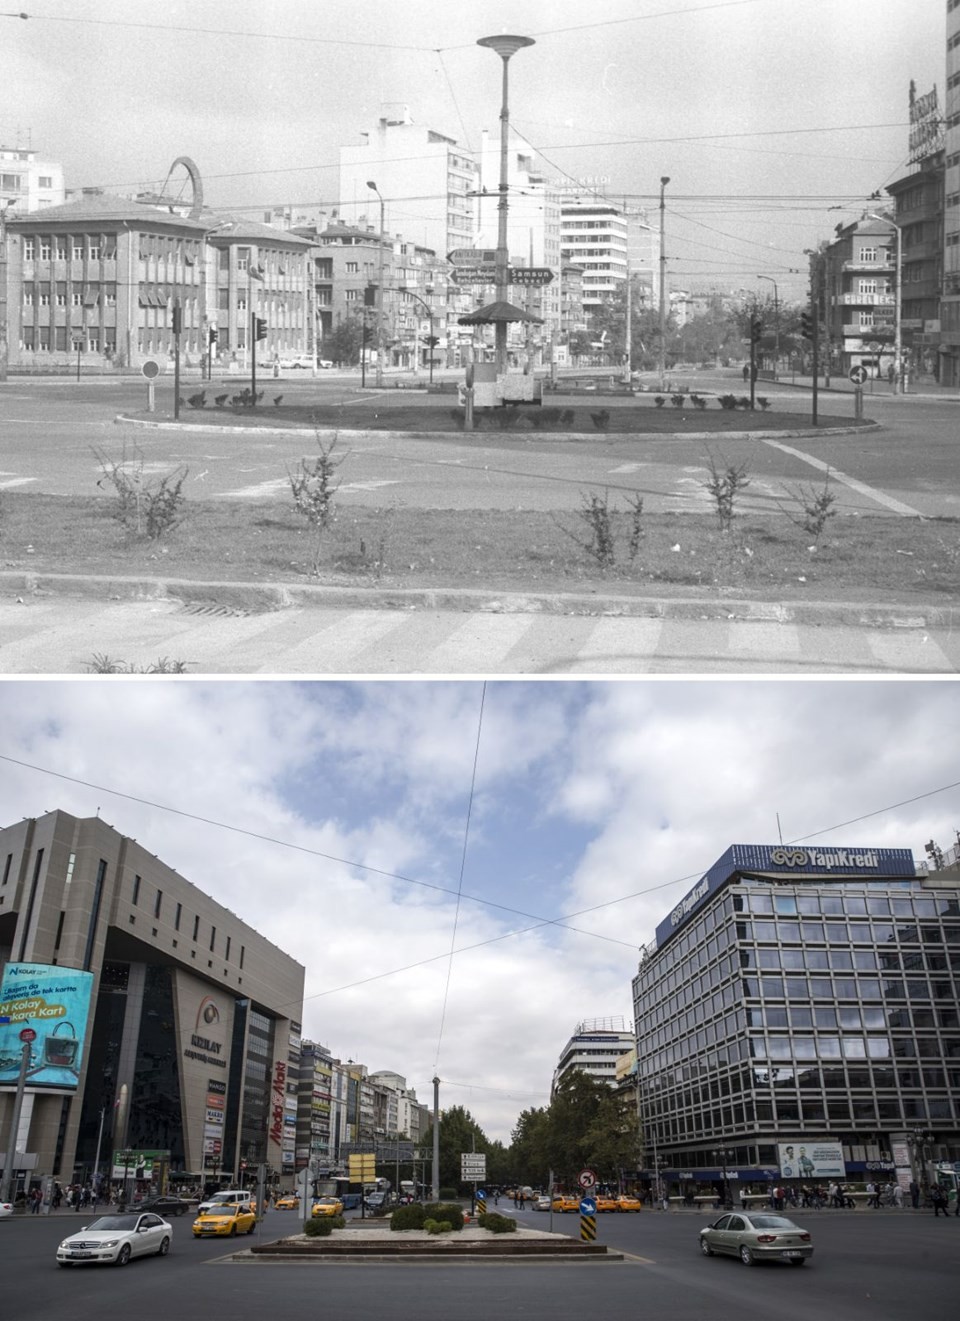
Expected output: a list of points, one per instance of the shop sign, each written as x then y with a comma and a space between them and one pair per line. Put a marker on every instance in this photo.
815, 1160
279, 1097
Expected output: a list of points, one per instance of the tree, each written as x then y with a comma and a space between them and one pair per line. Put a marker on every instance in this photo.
459, 1132
588, 1125
342, 345
527, 1156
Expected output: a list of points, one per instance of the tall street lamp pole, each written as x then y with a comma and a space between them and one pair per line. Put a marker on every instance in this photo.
663, 291
776, 322
371, 185
504, 46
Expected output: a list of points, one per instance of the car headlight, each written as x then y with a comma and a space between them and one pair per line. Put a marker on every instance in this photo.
110, 1243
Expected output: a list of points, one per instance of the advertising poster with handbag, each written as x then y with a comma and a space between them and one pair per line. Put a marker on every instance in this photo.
55, 1002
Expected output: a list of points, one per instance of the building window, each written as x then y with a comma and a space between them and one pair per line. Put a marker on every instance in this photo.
44, 249
227, 952
61, 250
134, 899
353, 267
76, 298
95, 250
29, 250
351, 295
213, 937
176, 920
158, 901
78, 249
867, 254
243, 259
196, 927
242, 952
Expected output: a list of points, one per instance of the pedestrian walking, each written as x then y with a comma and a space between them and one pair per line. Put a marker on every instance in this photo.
914, 1194
939, 1199
897, 1195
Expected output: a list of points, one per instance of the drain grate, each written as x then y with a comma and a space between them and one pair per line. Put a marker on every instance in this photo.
209, 610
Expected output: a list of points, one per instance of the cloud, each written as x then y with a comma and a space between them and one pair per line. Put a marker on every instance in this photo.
596, 807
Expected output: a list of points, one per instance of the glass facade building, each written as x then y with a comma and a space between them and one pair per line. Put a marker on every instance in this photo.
798, 996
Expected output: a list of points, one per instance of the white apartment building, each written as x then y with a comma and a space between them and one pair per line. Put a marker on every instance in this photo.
28, 184
594, 1048
426, 179
606, 240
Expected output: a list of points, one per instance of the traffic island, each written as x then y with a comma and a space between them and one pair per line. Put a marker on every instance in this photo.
470, 1243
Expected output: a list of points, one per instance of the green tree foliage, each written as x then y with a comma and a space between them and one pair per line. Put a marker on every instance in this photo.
459, 1132
342, 345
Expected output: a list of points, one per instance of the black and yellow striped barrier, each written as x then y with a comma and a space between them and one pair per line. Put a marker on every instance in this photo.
588, 1228
481, 1205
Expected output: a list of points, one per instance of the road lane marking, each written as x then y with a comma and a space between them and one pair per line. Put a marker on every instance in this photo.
895, 506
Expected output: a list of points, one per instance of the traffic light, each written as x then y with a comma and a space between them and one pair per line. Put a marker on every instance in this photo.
213, 334
259, 328
367, 334
177, 319
756, 330
806, 325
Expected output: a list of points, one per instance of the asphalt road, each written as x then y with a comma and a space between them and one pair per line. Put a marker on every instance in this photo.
50, 428
882, 1266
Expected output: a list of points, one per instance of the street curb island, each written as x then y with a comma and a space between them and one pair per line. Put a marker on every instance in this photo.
344, 434
259, 598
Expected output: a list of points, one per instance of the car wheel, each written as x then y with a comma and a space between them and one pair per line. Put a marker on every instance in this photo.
179, 1210
798, 1261
746, 1256
164, 1247
705, 1248
123, 1256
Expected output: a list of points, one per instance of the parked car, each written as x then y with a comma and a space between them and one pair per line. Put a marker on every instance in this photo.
757, 1237
117, 1238
6, 1209
296, 362
164, 1206
226, 1221
327, 1206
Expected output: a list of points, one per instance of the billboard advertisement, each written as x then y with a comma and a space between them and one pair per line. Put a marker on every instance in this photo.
54, 1003
811, 1160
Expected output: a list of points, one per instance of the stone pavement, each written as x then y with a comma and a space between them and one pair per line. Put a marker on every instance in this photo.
54, 625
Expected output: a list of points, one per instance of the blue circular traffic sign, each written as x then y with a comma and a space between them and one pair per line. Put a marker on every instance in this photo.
588, 1206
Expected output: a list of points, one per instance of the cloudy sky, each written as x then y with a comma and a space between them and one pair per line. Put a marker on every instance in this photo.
568, 818
737, 101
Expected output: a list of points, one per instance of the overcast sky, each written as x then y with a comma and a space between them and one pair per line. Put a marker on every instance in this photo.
736, 101
595, 808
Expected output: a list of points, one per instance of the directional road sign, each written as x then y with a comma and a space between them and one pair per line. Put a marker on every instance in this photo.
473, 1165
588, 1206
472, 257
530, 275
857, 374
587, 1179
473, 274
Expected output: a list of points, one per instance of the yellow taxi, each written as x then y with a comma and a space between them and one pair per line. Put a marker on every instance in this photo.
327, 1206
226, 1221
288, 1202
607, 1203
629, 1203
566, 1202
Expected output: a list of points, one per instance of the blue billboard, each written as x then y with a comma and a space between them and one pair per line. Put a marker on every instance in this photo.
54, 1003
827, 862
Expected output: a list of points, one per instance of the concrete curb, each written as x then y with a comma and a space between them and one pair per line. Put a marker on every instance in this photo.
256, 598
344, 433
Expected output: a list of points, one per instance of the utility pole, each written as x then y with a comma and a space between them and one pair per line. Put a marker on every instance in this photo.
663, 290
373, 187
436, 1140
628, 336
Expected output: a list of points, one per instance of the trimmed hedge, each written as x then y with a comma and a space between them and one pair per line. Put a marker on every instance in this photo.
496, 1223
411, 1216
451, 1211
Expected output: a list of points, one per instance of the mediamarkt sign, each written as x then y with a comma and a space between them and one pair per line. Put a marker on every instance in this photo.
791, 862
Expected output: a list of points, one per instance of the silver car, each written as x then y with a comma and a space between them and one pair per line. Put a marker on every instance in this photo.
757, 1236
117, 1238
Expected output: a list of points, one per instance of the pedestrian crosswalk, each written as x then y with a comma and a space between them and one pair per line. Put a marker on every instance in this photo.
62, 635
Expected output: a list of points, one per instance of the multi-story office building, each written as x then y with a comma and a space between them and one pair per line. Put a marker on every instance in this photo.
98, 280
595, 1048
798, 1017
950, 301
606, 240
182, 1041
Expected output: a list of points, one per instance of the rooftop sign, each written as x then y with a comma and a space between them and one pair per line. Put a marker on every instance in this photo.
791, 862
